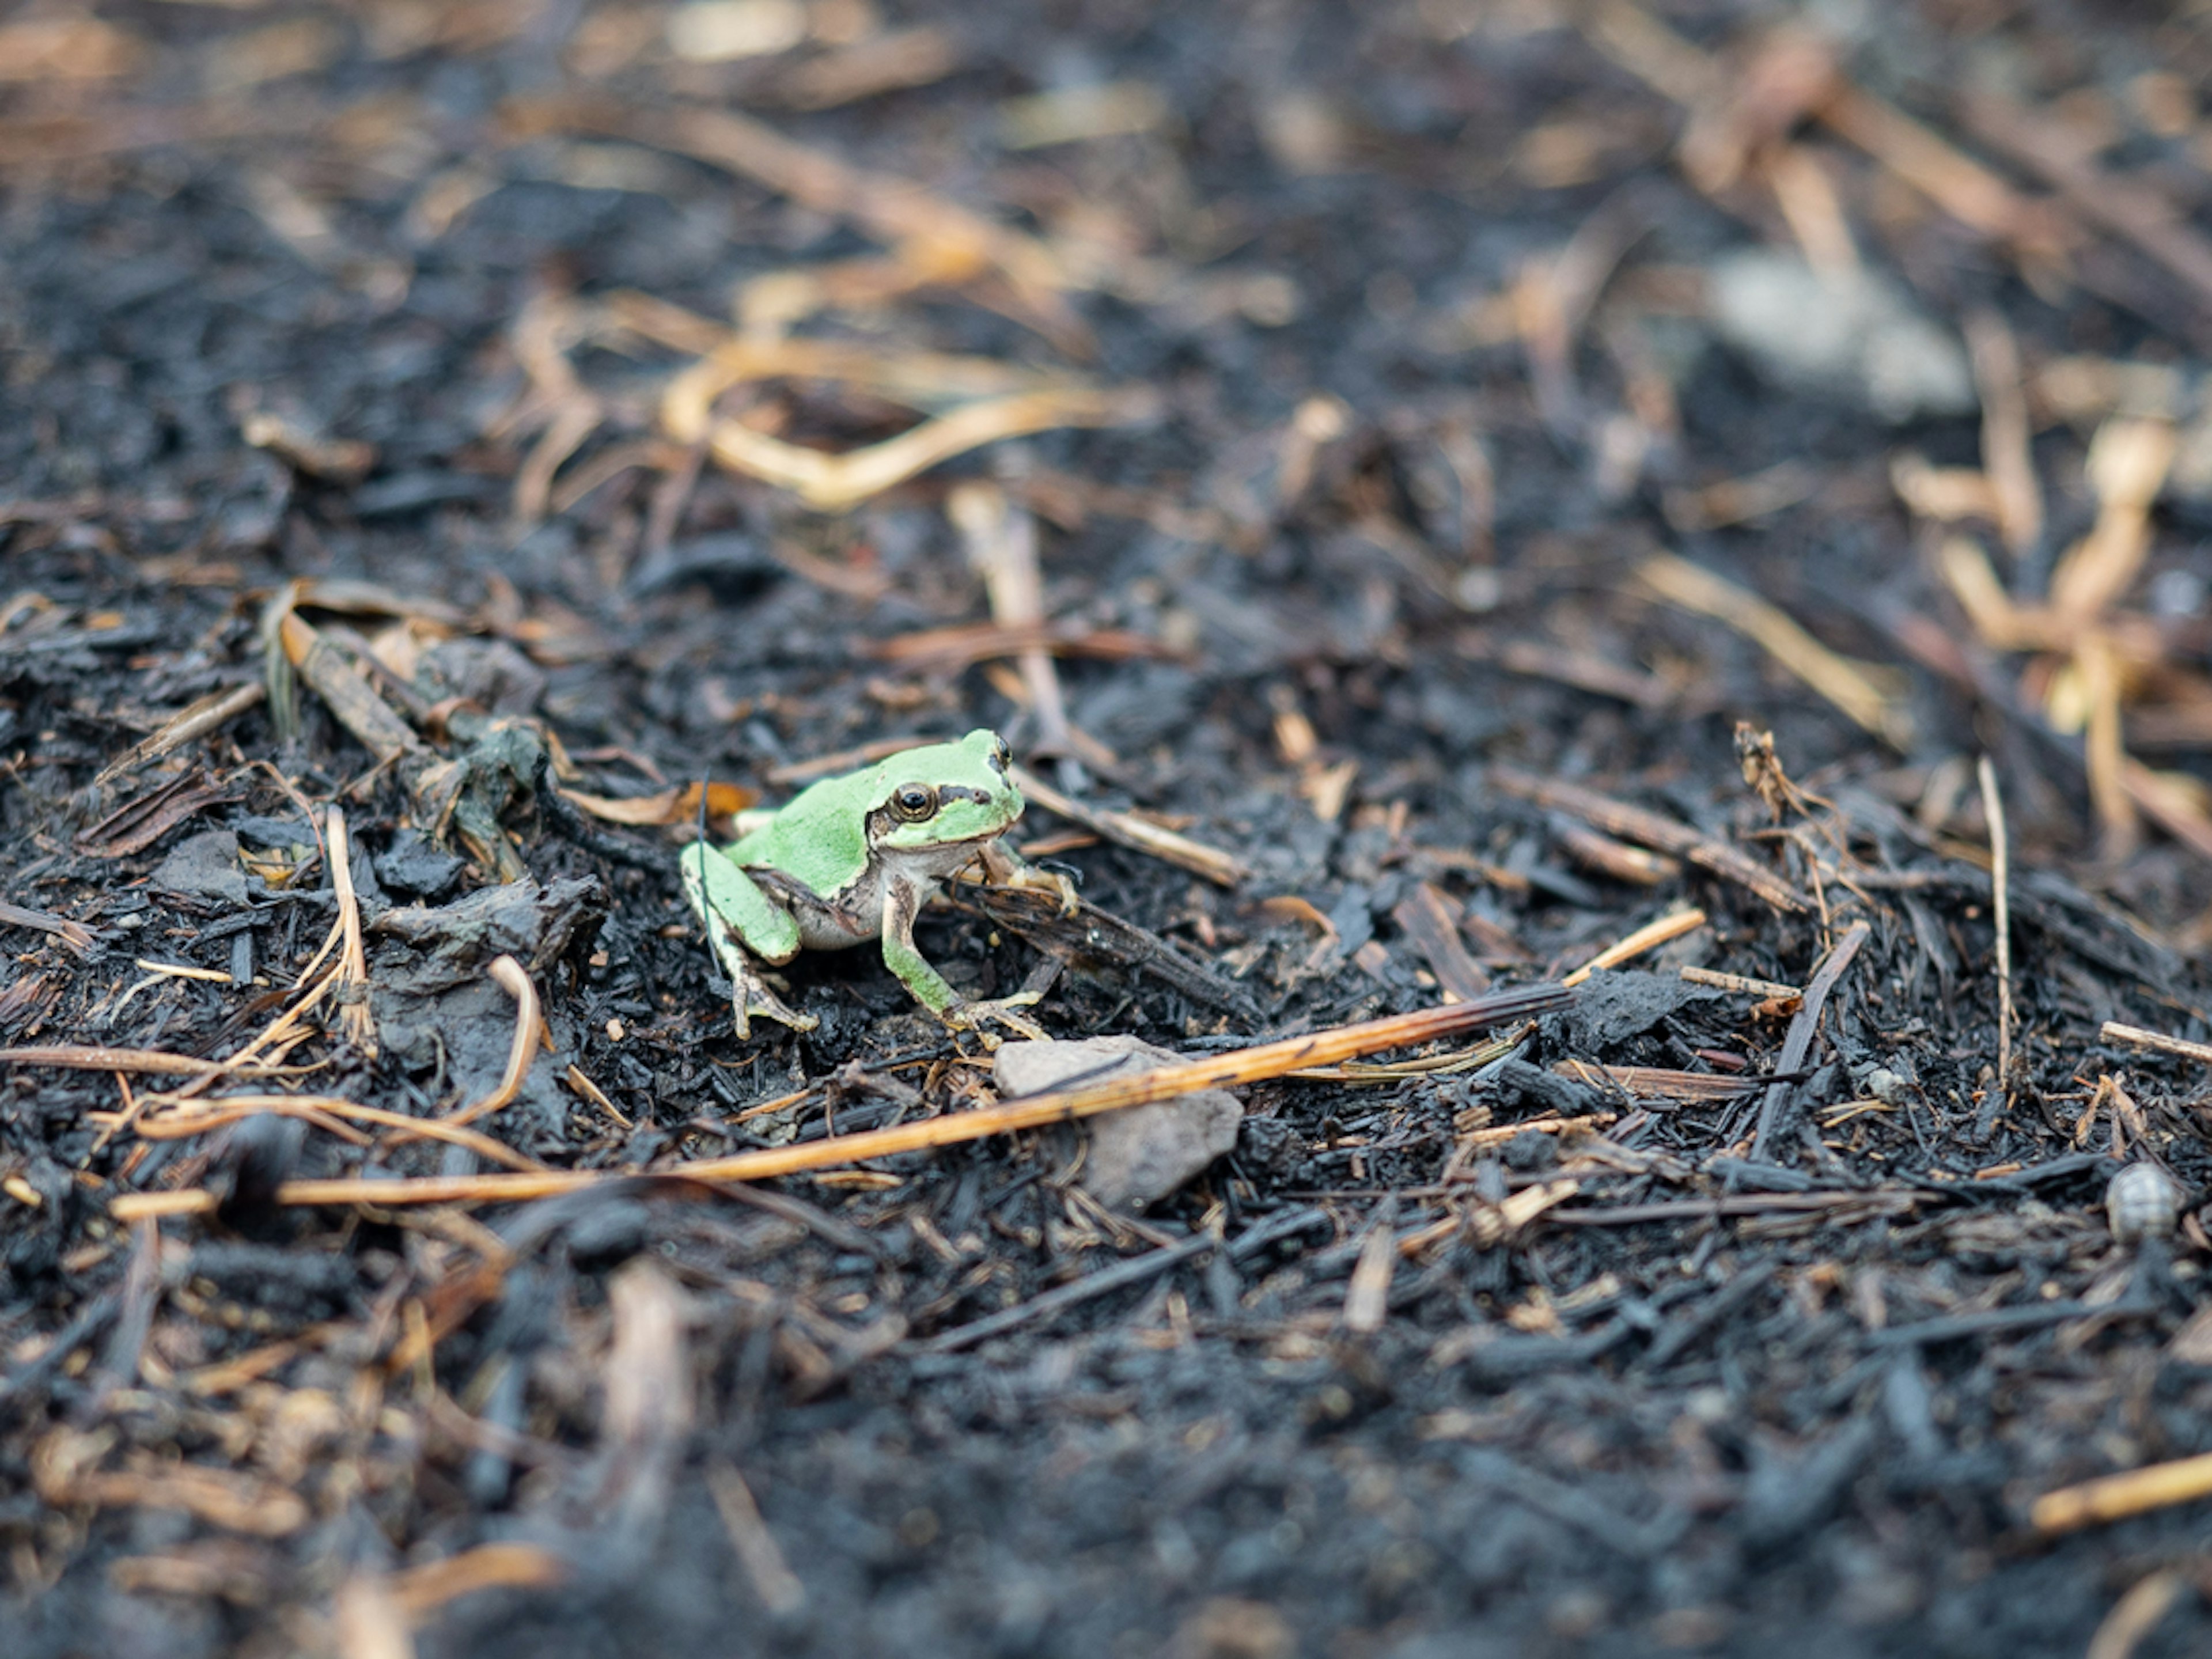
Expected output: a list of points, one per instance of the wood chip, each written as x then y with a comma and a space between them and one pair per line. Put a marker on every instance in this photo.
1430, 920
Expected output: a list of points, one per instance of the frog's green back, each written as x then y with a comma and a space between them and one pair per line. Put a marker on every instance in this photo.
819, 837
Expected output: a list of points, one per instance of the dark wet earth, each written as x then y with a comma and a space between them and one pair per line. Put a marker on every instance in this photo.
363, 317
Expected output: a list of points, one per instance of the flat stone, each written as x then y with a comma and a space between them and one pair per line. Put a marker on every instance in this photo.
1852, 333
1139, 1156
205, 866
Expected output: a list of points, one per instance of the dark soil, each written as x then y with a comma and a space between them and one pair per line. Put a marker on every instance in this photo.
290, 300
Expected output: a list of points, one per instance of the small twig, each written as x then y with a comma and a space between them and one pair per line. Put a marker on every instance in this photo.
948, 650
2007, 456
757, 1551
1254, 1065
1707, 1209
1002, 547
2137, 1613
421, 1590
1487, 1224
1427, 918
353, 702
2114, 1497
2027, 1316
1647, 1083
2121, 204
1217, 867
353, 961
71, 1057
1133, 1271
208, 714
1650, 829
583, 1086
1367, 1296
2134, 1035
1802, 1028
2001, 884
521, 1049
1743, 982
1856, 689
1648, 937
199, 1116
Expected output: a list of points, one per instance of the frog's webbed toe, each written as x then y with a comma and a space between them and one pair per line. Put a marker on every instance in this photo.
1052, 881
977, 1017
759, 1000
1004, 867
750, 994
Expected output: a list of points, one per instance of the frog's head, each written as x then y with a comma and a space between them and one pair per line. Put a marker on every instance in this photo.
944, 795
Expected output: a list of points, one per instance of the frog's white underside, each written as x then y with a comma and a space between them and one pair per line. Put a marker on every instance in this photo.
857, 916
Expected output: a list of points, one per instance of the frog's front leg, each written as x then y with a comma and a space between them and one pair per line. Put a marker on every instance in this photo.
743, 924
903, 902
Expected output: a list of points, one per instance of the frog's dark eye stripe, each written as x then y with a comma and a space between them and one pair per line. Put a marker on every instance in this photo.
914, 801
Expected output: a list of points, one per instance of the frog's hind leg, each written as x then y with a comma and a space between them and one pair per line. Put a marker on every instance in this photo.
741, 920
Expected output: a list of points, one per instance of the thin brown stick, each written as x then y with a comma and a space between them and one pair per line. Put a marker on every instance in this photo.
2138, 1612
778, 1587
838, 482
2001, 886
1867, 693
522, 1048
2135, 1037
421, 1591
2008, 457
1648, 937
1002, 547
199, 1116
943, 649
894, 209
1254, 1065
1223, 869
194, 721
1962, 187
1744, 983
2122, 206
1659, 1082
2113, 1497
353, 963
1650, 829
1638, 866
74, 1058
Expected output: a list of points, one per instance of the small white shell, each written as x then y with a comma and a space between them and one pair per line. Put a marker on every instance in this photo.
2142, 1202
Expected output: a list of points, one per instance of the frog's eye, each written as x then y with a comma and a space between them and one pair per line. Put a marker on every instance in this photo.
914, 801
1001, 756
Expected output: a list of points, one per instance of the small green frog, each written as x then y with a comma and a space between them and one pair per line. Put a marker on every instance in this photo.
854, 858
